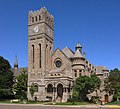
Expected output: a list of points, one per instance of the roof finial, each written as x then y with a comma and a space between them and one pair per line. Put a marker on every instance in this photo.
16, 62
79, 47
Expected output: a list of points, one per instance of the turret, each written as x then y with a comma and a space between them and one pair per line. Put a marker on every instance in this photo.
78, 64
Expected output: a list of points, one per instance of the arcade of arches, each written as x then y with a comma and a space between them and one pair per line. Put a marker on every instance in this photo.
57, 92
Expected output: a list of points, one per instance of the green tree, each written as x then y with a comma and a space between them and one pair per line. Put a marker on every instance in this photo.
112, 83
32, 89
85, 85
75, 96
20, 87
97, 83
6, 79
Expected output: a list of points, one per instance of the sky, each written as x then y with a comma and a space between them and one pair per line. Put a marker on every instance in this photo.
94, 23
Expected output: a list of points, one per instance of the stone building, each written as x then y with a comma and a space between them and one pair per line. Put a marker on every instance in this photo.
54, 72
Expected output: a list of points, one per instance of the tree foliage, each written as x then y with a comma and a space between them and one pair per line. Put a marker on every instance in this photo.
32, 89
112, 83
20, 87
85, 85
6, 79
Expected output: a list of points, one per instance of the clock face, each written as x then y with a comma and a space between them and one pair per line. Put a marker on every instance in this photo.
36, 29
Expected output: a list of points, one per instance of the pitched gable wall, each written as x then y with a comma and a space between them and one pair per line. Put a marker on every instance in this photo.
66, 63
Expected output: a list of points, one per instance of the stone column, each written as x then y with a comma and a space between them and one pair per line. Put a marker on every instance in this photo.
65, 91
54, 93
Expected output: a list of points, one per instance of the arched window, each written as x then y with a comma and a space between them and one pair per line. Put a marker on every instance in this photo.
32, 19
36, 18
60, 90
50, 88
33, 55
40, 55
36, 88
39, 17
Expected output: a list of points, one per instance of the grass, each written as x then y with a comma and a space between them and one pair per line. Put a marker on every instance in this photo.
72, 103
46, 103
36, 102
22, 102
5, 101
60, 103
114, 103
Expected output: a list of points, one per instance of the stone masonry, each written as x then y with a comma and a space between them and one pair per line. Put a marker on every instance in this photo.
54, 72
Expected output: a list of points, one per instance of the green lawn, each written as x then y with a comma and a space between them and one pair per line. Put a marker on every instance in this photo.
21, 102
114, 103
46, 103
72, 103
5, 101
37, 102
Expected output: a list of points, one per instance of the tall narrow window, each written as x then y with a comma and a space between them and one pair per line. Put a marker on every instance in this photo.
40, 55
39, 17
47, 57
32, 19
33, 55
36, 18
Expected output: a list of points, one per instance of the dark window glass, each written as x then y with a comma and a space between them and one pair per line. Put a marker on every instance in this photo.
58, 64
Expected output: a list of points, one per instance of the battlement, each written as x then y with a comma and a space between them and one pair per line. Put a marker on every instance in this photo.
41, 15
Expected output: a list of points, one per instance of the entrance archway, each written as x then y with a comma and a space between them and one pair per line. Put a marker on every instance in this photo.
59, 92
50, 88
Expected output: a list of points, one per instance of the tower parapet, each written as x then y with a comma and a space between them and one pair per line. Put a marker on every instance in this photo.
41, 15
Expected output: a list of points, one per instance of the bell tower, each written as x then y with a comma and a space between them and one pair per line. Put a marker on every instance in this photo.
40, 49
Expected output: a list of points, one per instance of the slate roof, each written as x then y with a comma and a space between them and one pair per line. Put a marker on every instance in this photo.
17, 72
78, 54
99, 69
68, 52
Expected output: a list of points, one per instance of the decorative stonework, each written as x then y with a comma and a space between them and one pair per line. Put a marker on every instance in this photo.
53, 72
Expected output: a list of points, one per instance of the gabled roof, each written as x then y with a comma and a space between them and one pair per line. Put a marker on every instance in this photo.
99, 69
61, 52
68, 52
